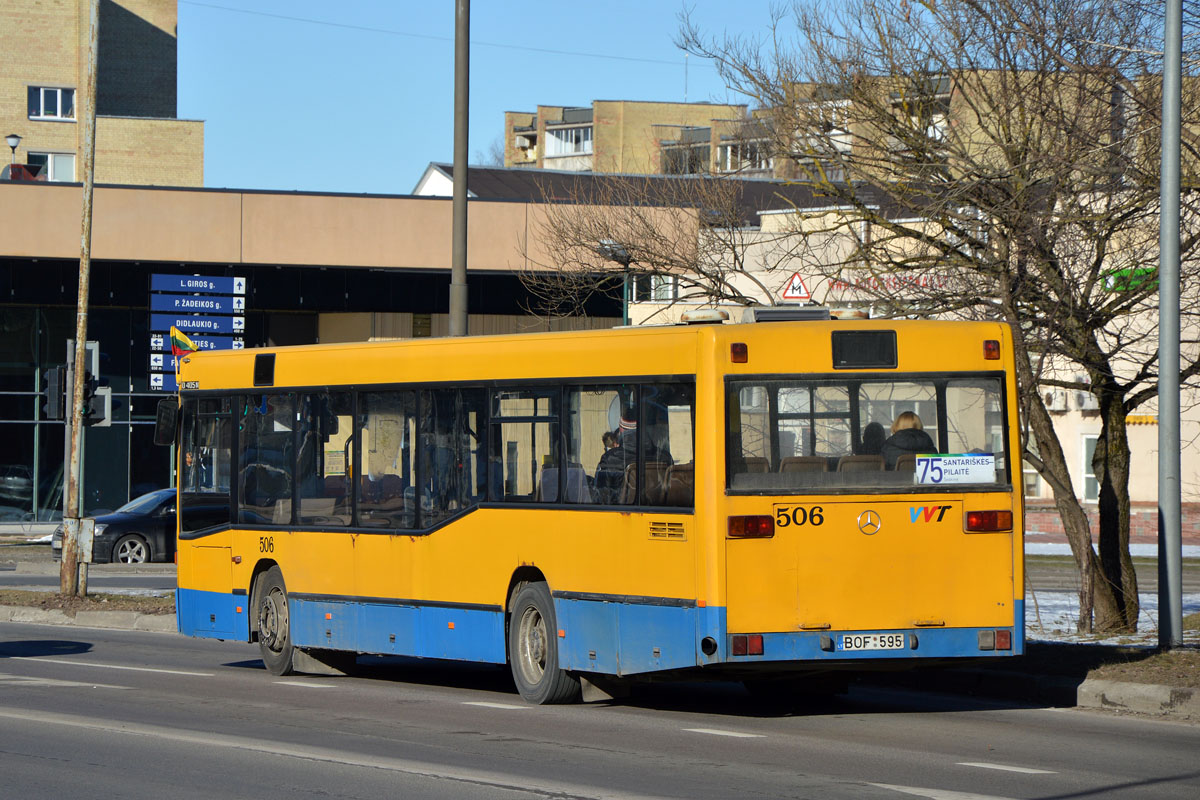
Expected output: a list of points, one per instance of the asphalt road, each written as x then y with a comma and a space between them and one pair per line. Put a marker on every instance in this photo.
86, 713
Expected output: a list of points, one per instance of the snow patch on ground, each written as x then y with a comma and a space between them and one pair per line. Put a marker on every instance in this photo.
1051, 616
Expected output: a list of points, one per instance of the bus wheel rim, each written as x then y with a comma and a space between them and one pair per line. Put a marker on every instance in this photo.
272, 621
533, 645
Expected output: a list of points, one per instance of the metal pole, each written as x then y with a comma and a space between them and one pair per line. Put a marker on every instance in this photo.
69, 573
458, 268
1170, 539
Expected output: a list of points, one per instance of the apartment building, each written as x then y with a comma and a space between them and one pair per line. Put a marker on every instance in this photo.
43, 80
609, 135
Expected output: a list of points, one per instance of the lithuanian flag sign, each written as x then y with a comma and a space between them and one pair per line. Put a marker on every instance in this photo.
181, 344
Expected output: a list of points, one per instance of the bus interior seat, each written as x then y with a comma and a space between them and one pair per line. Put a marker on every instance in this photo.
681, 484
655, 490
864, 463
757, 464
906, 462
577, 488
804, 464
335, 485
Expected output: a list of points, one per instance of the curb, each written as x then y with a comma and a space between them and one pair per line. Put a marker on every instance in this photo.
113, 620
1141, 698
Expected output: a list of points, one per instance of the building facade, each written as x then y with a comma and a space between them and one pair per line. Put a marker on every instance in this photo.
609, 136
43, 81
315, 267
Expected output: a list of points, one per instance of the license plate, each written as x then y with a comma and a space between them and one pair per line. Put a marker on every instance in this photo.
871, 641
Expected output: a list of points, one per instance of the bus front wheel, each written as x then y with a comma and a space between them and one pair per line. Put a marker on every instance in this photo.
533, 648
274, 629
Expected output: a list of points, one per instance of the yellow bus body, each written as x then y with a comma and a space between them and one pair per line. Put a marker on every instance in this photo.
639, 589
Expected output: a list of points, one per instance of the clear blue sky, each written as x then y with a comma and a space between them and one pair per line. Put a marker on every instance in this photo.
358, 96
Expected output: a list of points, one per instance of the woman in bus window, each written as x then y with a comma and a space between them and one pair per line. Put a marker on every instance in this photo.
908, 436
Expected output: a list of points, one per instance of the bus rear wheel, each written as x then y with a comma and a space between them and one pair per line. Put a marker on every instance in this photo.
274, 628
533, 648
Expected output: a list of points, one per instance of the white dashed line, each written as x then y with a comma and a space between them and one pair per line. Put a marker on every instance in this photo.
25, 680
507, 706
111, 666
719, 732
306, 684
938, 794
1006, 768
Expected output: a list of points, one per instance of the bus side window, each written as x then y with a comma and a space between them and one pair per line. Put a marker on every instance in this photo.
206, 463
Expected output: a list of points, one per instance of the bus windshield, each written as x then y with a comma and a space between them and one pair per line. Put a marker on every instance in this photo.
787, 435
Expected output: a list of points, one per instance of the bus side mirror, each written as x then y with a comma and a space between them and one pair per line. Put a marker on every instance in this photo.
166, 422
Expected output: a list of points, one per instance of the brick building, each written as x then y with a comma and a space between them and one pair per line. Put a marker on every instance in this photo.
43, 78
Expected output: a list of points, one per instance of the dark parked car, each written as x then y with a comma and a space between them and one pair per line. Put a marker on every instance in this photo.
141, 530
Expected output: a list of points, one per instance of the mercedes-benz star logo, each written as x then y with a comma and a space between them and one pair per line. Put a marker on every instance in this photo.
869, 522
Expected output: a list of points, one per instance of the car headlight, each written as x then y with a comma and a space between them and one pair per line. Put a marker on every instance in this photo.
100, 526
56, 538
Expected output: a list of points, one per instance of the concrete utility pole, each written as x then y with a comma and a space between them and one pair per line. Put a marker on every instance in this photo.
72, 573
1170, 538
462, 70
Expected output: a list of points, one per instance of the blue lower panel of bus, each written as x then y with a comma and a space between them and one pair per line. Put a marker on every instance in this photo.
426, 631
212, 615
621, 638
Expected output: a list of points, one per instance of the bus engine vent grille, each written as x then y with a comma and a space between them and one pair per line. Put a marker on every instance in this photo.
667, 530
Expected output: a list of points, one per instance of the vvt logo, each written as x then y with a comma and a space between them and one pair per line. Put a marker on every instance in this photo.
926, 513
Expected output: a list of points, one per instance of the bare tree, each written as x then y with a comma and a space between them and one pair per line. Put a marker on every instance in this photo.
995, 158
597, 230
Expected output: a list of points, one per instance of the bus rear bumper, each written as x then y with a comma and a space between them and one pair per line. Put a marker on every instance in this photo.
915, 644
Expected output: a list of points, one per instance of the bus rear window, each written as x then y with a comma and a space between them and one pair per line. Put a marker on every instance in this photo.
824, 434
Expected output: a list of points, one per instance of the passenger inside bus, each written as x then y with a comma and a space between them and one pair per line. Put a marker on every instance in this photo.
908, 437
873, 437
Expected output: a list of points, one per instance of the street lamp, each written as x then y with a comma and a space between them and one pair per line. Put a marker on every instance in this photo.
614, 251
13, 140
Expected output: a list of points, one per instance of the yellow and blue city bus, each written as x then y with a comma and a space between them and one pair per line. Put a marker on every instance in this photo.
722, 499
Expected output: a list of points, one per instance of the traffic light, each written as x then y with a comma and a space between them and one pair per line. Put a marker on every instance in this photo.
54, 393
97, 401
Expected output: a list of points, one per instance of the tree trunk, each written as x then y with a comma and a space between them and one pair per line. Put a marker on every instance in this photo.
1117, 596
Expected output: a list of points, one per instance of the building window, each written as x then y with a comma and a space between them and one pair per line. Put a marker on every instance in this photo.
751, 156
569, 141
685, 160
51, 103
652, 288
1091, 486
58, 167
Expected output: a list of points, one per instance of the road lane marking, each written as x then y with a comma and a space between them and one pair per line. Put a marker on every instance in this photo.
719, 732
306, 684
1006, 768
110, 666
938, 794
520, 784
508, 706
28, 680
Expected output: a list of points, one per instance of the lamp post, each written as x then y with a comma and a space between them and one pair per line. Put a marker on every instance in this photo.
614, 251
13, 140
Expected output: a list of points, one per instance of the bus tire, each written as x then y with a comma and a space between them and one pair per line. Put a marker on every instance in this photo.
533, 649
274, 622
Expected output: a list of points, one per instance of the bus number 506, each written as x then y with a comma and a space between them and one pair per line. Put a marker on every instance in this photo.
798, 515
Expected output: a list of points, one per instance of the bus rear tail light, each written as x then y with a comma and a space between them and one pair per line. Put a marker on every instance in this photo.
988, 521
751, 527
739, 353
747, 644
991, 350
995, 640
